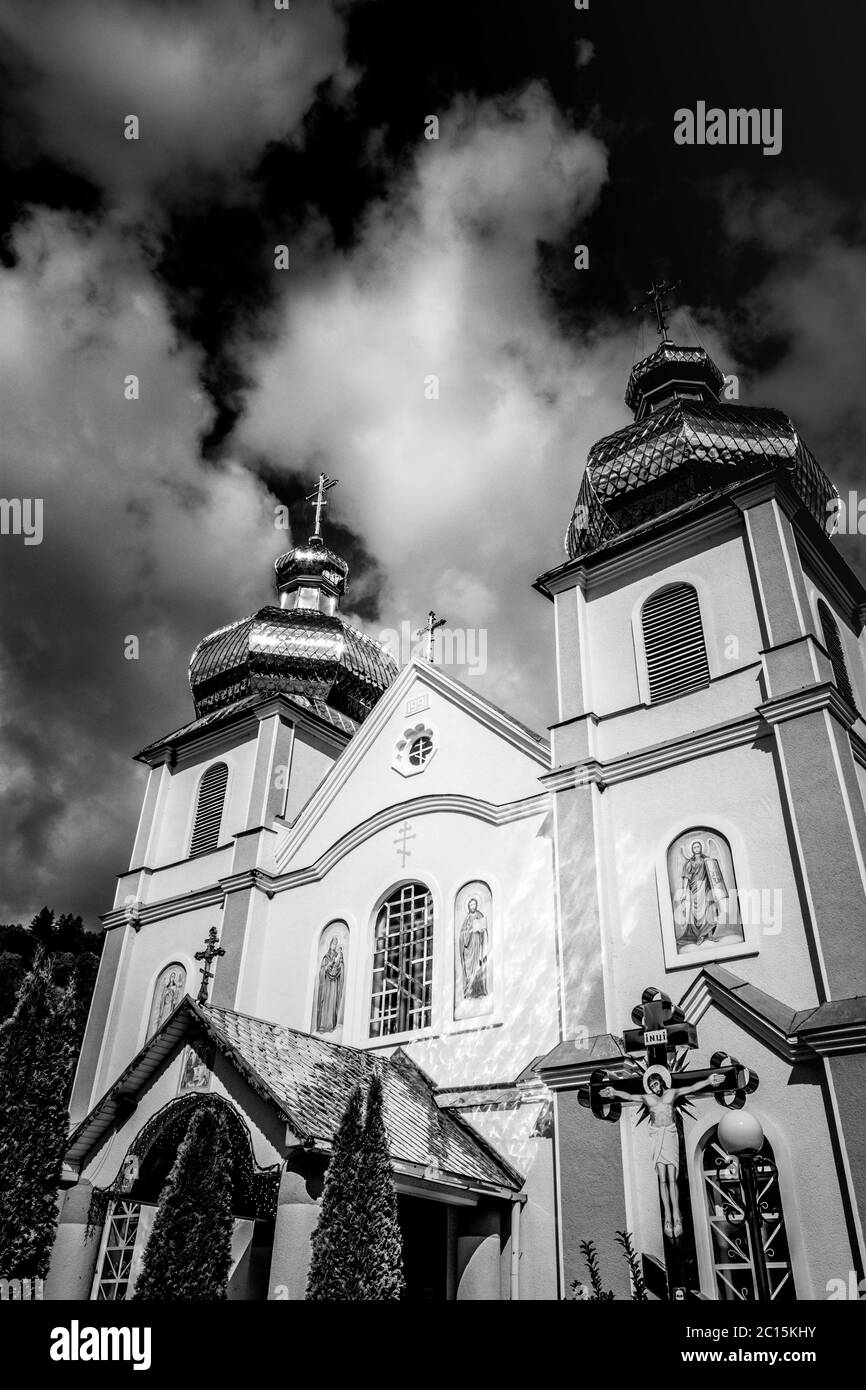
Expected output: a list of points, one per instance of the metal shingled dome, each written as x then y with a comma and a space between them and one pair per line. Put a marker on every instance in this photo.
687, 446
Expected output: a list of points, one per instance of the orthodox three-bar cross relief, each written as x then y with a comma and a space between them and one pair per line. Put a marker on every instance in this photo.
211, 950
318, 499
428, 631
655, 302
662, 1088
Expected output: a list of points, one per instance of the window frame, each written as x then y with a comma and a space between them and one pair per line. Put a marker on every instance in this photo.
193, 853
645, 678
374, 1017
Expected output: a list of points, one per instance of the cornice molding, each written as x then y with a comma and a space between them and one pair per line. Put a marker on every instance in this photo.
262, 881
809, 700
657, 757
444, 803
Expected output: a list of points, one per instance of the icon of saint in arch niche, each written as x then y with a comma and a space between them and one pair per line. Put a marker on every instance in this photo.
328, 1003
703, 888
473, 951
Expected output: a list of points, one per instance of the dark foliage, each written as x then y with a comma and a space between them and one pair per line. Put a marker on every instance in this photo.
188, 1255
357, 1245
38, 1050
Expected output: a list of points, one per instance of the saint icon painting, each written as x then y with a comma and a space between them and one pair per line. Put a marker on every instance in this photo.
166, 996
473, 951
703, 891
330, 992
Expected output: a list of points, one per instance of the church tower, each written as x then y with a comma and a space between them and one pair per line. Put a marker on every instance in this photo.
342, 871
708, 778
277, 695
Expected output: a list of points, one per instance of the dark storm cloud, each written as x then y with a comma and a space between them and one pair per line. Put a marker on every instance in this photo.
408, 258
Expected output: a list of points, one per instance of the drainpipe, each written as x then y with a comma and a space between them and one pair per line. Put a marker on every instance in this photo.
515, 1250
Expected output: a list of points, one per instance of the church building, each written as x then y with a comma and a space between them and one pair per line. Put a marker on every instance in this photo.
540, 944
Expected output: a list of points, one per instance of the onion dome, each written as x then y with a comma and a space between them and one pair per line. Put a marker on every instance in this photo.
684, 444
303, 647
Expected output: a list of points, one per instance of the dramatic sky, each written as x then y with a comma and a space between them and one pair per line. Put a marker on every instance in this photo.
409, 257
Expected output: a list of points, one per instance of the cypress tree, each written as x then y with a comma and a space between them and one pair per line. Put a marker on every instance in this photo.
36, 1061
188, 1255
381, 1242
334, 1268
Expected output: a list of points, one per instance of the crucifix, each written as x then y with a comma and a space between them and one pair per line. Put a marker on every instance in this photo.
208, 955
654, 302
404, 834
318, 497
429, 630
658, 1084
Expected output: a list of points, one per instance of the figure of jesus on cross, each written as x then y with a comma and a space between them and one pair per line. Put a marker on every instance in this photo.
659, 1098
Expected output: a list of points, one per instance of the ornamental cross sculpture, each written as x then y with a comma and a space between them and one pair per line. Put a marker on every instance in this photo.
318, 497
660, 1086
429, 630
208, 955
653, 302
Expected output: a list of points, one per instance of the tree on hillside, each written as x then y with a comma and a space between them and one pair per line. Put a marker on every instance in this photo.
188, 1255
65, 939
37, 1052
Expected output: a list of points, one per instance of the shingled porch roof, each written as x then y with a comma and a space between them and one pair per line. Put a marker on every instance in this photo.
309, 1081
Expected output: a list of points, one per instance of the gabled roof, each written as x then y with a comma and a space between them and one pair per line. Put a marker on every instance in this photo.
308, 1081
797, 1035
311, 707
838, 1025
534, 745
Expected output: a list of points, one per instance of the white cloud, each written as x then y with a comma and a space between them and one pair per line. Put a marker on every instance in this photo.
444, 282
211, 81
140, 538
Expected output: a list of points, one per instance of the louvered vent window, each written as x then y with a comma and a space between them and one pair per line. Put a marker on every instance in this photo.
673, 636
836, 653
209, 812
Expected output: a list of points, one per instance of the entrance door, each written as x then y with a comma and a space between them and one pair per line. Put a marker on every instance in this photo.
424, 1226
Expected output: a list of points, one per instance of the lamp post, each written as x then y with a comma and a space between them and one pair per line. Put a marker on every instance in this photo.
741, 1135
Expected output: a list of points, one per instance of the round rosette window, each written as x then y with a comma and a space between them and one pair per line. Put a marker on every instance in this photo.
414, 750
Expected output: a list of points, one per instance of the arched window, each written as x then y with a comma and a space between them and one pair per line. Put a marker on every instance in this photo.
673, 637
167, 994
835, 651
403, 962
209, 811
733, 1251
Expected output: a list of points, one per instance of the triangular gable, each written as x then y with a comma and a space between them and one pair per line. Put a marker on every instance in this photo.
794, 1034
531, 745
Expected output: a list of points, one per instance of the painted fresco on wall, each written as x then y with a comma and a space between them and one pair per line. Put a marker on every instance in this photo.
330, 992
169, 990
195, 1072
703, 889
473, 951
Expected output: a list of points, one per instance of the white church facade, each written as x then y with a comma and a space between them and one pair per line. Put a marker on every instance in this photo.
342, 867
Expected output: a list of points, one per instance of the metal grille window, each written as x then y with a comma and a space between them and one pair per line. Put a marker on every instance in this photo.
673, 636
734, 1251
209, 811
421, 750
403, 962
116, 1267
835, 651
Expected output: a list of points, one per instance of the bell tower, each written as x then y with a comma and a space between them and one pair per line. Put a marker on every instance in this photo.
708, 757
